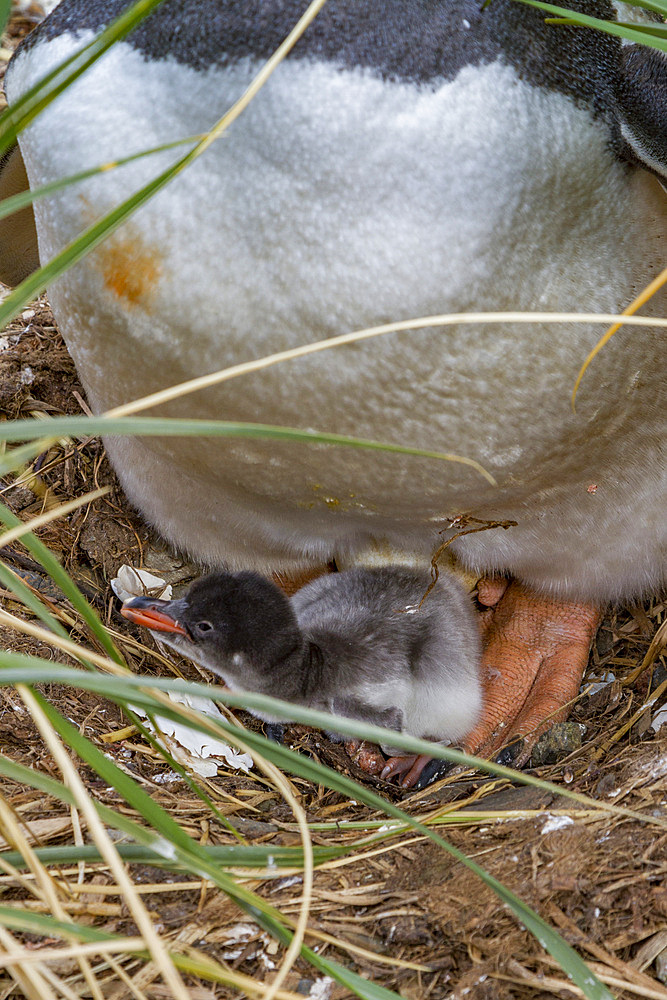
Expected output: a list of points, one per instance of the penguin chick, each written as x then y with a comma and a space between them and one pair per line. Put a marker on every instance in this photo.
356, 644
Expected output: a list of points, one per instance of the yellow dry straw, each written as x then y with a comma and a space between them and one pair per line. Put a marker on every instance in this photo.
641, 300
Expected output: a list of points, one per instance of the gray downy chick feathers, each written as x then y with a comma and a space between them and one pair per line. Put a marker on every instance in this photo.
359, 644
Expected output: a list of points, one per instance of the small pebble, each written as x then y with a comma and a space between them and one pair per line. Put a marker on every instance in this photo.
561, 740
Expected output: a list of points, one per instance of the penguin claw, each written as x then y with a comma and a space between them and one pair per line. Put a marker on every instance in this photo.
511, 752
397, 766
407, 770
433, 771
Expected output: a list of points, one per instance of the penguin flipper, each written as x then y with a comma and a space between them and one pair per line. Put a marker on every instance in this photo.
19, 253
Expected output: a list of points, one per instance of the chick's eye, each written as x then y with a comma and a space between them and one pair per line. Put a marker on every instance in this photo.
203, 627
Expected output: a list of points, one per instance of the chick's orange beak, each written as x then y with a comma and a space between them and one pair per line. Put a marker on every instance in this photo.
143, 611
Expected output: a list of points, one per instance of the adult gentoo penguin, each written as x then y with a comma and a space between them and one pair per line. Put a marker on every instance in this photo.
407, 159
347, 643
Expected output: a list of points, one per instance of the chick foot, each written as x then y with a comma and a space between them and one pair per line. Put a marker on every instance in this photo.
408, 770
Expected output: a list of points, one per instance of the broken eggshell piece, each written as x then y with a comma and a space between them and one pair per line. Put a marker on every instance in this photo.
131, 582
199, 752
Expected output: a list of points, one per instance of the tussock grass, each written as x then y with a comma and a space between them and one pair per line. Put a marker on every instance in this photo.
127, 840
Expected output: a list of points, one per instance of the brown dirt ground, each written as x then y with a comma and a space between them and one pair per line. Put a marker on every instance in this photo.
599, 880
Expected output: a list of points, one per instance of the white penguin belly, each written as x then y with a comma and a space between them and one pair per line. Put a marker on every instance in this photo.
336, 202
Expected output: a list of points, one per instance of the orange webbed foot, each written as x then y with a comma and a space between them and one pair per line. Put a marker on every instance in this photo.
535, 652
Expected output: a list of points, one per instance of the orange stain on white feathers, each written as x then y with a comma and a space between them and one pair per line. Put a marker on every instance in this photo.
130, 268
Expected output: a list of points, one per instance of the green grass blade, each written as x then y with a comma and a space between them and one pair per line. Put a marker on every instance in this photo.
238, 855
235, 856
9, 462
16, 458
99, 230
13, 120
20, 669
660, 30
655, 6
180, 846
19, 430
37, 923
166, 839
158, 818
19, 201
83, 244
610, 27
177, 768
62, 579
15, 584
35, 779
569, 960
5, 9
